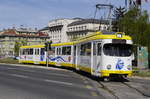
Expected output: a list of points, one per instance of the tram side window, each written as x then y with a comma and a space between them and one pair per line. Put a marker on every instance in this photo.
86, 49
52, 51
75, 50
99, 49
31, 51
23, 51
36, 51
94, 48
26, 51
42, 51
58, 51
66, 50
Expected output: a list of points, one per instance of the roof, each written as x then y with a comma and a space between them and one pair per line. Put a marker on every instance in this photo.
13, 32
102, 35
45, 28
85, 21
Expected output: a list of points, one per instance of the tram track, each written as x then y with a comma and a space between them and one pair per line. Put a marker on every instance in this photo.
136, 90
107, 89
123, 90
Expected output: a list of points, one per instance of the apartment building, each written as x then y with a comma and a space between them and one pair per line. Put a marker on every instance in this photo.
9, 37
58, 29
84, 27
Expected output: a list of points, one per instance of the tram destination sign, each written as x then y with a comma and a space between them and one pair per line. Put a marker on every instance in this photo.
118, 41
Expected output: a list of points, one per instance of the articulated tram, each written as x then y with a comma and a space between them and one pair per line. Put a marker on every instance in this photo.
103, 54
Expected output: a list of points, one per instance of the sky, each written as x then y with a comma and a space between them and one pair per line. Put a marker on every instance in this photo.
37, 13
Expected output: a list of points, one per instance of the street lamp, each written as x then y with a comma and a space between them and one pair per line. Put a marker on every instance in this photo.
47, 48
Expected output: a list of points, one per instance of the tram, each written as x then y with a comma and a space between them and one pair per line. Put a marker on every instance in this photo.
102, 54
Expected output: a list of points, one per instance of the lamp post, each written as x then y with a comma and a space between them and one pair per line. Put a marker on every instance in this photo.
47, 49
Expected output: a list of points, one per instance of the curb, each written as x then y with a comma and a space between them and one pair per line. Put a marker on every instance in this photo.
33, 66
138, 77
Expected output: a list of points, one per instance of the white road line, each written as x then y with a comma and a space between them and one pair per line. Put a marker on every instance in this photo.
58, 82
44, 73
47, 80
21, 76
11, 68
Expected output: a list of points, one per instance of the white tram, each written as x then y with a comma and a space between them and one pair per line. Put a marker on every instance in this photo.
102, 54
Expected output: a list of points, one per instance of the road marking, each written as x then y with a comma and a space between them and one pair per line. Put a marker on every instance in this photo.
88, 87
10, 68
58, 82
21, 76
94, 94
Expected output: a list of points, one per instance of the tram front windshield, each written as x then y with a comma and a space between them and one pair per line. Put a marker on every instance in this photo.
122, 50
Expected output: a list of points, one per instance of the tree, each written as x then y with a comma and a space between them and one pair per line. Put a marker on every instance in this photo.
136, 24
16, 48
118, 15
18, 45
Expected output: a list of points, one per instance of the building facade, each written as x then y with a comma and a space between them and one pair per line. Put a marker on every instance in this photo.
23, 36
84, 27
58, 29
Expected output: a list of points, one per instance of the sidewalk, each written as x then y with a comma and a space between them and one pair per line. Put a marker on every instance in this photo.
138, 77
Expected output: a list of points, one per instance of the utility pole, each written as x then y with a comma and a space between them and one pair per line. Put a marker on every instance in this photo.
109, 17
47, 49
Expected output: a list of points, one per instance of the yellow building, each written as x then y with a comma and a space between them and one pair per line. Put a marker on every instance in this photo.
9, 37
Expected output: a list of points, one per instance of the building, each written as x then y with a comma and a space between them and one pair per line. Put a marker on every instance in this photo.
84, 27
58, 29
9, 37
44, 30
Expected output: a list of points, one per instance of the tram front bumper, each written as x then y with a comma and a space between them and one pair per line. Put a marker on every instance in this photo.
107, 73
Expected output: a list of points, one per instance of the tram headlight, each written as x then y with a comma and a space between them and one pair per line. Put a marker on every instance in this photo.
119, 35
129, 67
108, 66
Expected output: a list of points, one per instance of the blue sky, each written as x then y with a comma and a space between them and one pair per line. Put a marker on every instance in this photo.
37, 13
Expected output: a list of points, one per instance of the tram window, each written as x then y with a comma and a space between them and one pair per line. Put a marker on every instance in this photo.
52, 51
74, 50
42, 51
36, 51
99, 49
59, 51
23, 52
117, 50
94, 48
63, 50
86, 49
66, 50
31, 51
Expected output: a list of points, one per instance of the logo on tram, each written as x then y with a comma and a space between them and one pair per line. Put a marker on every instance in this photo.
119, 64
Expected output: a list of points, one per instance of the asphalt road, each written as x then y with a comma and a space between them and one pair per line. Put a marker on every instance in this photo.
36, 83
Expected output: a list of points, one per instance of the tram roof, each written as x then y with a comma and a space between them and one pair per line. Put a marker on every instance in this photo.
94, 36
103, 35
32, 46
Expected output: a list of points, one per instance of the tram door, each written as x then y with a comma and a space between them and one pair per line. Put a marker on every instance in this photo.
97, 57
